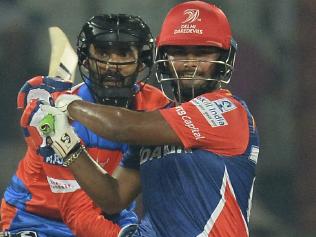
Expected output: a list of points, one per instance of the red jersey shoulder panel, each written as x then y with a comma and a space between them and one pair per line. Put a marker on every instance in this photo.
150, 98
214, 121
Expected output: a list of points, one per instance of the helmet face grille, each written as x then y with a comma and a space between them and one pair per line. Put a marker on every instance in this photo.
121, 32
169, 77
194, 24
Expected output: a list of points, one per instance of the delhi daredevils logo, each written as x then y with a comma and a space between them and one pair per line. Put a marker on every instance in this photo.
192, 15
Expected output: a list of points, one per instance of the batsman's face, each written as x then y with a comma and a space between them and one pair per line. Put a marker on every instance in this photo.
192, 64
113, 65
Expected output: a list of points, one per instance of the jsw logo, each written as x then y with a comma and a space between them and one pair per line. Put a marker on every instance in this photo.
26, 234
192, 15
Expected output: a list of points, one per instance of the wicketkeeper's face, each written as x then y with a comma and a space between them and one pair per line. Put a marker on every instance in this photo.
192, 64
112, 64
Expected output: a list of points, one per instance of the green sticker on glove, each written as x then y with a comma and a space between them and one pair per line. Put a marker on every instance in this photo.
47, 125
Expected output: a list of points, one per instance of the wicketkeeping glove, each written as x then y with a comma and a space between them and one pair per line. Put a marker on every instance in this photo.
57, 130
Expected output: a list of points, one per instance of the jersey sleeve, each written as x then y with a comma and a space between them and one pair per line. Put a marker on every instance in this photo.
150, 98
131, 158
107, 153
76, 208
215, 121
91, 139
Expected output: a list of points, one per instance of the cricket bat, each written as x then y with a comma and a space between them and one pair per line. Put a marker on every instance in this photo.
63, 64
63, 58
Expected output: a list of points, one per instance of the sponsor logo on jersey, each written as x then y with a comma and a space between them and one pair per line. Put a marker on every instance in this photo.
54, 159
62, 186
103, 162
150, 153
213, 110
187, 120
254, 153
188, 25
25, 233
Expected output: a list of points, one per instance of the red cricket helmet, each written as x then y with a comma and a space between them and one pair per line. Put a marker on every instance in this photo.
195, 23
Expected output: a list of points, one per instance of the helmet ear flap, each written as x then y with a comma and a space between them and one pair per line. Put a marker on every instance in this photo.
146, 57
224, 71
82, 47
82, 53
161, 54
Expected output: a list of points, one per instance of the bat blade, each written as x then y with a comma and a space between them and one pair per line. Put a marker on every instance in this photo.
63, 58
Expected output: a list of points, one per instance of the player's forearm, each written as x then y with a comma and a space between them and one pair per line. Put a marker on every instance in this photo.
123, 125
106, 121
102, 188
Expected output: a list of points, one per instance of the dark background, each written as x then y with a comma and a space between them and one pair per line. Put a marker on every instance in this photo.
275, 74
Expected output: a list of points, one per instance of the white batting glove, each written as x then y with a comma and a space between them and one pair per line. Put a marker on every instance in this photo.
62, 136
64, 100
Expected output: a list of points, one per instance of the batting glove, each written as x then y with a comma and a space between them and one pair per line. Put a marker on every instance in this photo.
30, 120
42, 88
61, 136
64, 100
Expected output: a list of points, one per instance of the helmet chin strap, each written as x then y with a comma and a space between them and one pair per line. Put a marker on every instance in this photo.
184, 94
